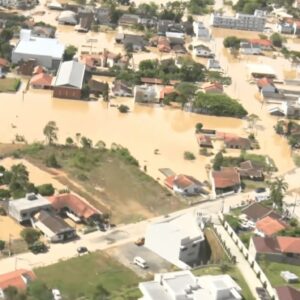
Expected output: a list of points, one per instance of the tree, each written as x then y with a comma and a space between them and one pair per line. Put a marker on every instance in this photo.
4, 194
2, 245
232, 42
38, 290
100, 145
69, 141
46, 189
199, 127
277, 189
105, 93
11, 293
123, 108
51, 161
189, 155
18, 181
30, 235
38, 247
276, 39
101, 293
218, 161
69, 53
86, 142
50, 132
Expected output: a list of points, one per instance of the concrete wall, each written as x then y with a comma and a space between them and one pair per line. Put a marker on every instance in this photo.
67, 93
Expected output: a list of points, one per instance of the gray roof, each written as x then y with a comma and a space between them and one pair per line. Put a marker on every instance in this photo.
70, 73
155, 290
29, 201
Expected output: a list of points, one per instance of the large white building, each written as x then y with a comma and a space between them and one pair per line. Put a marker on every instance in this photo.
177, 239
200, 31
46, 51
184, 285
255, 22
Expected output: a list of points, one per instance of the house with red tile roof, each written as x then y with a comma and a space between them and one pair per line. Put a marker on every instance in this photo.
74, 207
19, 279
163, 44
237, 143
184, 185
269, 226
168, 89
287, 292
204, 141
263, 44
41, 81
226, 180
266, 85
212, 88
283, 249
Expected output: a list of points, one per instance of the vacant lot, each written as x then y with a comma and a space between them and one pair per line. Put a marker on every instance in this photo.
273, 269
78, 277
233, 272
8, 85
110, 179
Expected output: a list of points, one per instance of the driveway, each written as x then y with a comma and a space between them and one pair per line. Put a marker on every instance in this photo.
126, 252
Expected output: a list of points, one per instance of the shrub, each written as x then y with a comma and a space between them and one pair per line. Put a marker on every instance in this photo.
123, 108
38, 247
52, 162
189, 155
2, 245
46, 189
4, 194
30, 235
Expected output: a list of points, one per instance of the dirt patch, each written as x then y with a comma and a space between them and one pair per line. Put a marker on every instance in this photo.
9, 228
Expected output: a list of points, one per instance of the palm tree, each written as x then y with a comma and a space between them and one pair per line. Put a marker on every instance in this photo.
278, 187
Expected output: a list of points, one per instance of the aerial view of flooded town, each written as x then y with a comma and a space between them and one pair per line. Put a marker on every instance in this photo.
149, 149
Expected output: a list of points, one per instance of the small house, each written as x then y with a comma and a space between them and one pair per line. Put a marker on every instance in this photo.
269, 226
67, 17
128, 20
237, 143
96, 87
122, 89
248, 170
257, 211
43, 31
41, 81
226, 180
163, 44
213, 65
102, 15
248, 48
202, 51
148, 80
166, 90
137, 42
205, 141
200, 31
263, 44
69, 80
145, 94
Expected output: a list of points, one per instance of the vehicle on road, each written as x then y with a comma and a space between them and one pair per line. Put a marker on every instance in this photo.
81, 250
140, 241
140, 262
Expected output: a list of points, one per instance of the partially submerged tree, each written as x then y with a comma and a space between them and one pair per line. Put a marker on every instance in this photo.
50, 132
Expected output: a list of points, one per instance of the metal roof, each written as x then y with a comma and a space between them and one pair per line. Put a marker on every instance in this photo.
70, 73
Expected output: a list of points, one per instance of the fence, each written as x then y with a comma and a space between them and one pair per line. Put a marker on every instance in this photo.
249, 258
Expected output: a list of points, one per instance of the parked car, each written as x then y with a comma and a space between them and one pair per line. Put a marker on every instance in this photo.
56, 294
140, 262
81, 250
140, 241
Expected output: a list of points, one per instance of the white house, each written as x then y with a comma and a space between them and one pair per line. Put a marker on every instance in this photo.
213, 65
248, 48
177, 239
177, 35
185, 285
291, 108
47, 52
23, 209
200, 31
67, 17
202, 51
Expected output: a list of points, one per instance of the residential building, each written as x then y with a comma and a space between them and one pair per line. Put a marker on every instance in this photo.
227, 180
137, 41
200, 31
212, 88
23, 209
69, 80
47, 52
284, 249
43, 31
255, 22
263, 44
164, 26
248, 48
202, 51
267, 87
185, 285
4, 66
97, 87
18, 4
163, 44
54, 228
102, 15
237, 143
54, 5
75, 208
286, 26
291, 108
122, 89
258, 71
178, 239
268, 226
184, 185
85, 23
104, 59
67, 17
41, 81
287, 293
213, 65
148, 80
204, 141
256, 211
145, 93
18, 279
166, 90
128, 20
248, 170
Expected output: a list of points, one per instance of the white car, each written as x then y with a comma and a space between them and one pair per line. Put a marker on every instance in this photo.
56, 294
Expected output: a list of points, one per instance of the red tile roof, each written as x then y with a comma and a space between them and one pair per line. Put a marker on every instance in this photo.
41, 79
38, 69
74, 203
287, 293
261, 42
226, 177
208, 86
264, 82
15, 279
181, 181
270, 226
151, 80
4, 62
224, 135
265, 245
168, 89
289, 244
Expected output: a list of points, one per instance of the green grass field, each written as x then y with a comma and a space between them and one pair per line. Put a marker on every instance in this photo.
233, 272
273, 269
78, 277
8, 85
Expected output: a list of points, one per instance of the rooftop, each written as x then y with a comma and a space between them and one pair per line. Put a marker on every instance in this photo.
287, 293
270, 226
226, 177
256, 211
17, 279
28, 202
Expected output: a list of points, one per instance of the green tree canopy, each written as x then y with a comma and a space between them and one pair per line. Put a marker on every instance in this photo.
69, 53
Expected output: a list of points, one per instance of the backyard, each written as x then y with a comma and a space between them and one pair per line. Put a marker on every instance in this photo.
78, 277
8, 85
230, 270
273, 269
111, 180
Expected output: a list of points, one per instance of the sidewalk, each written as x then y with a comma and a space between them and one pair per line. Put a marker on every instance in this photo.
242, 264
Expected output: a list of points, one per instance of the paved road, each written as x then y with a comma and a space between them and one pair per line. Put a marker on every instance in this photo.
102, 241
